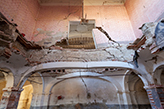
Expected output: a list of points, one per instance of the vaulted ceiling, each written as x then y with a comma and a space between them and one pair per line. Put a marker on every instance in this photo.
79, 2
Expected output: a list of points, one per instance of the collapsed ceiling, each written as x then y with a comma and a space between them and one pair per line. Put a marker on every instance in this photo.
79, 2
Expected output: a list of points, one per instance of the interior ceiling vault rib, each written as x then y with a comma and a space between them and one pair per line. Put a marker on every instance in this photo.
79, 2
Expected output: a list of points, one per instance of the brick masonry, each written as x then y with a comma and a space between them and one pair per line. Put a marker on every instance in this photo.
156, 97
10, 99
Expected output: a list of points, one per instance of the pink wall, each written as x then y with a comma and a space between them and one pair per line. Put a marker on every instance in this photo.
142, 11
29, 16
23, 12
114, 19
55, 19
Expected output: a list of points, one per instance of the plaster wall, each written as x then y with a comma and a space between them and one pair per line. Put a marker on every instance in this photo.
114, 20
23, 13
143, 11
53, 20
75, 91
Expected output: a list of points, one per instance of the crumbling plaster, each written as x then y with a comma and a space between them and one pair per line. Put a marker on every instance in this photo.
112, 66
116, 24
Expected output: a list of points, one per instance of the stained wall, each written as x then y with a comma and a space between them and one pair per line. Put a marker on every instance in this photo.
54, 20
143, 11
39, 22
113, 19
84, 90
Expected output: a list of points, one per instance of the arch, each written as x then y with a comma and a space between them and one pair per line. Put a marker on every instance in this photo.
134, 86
78, 76
8, 77
157, 74
125, 78
74, 65
159, 64
37, 81
87, 74
141, 94
26, 96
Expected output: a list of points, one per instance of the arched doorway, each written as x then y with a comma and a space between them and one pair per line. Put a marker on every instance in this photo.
26, 96
31, 96
138, 95
78, 91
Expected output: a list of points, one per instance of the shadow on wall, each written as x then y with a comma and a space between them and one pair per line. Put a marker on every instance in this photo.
138, 94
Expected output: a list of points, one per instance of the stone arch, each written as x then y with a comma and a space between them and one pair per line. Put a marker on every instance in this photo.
26, 96
75, 65
37, 81
87, 74
78, 78
125, 78
8, 75
158, 65
136, 95
158, 74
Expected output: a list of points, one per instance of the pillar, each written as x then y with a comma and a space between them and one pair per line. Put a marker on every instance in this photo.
127, 99
10, 98
156, 96
133, 97
120, 99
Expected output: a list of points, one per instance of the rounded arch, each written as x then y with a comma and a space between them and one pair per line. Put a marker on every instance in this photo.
126, 78
26, 96
8, 77
158, 65
157, 74
134, 85
37, 81
77, 81
83, 74
74, 65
